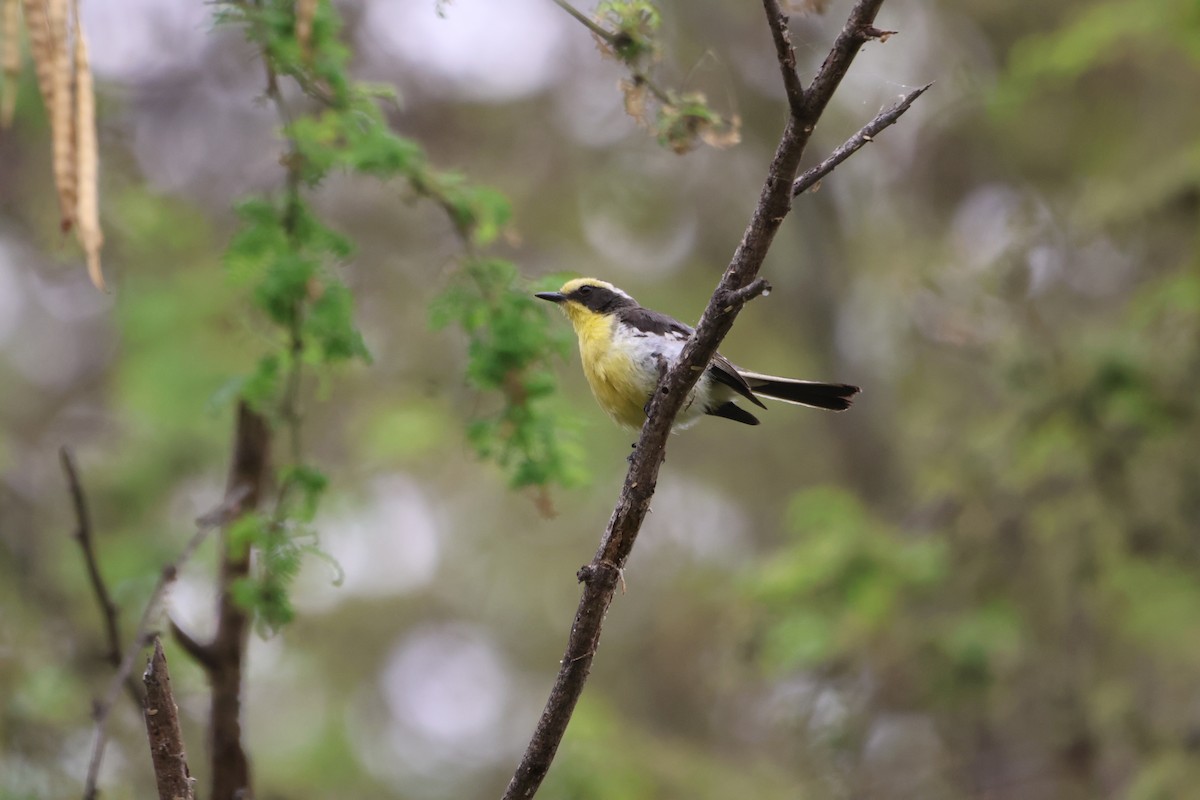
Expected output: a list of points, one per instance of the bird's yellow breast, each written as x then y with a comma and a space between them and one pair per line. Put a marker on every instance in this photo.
613, 371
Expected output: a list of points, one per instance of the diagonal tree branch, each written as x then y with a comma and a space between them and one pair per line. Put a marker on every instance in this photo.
884, 119
785, 54
737, 286
858, 30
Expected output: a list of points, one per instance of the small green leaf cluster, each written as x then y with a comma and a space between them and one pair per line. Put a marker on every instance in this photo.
634, 26
279, 544
1100, 33
282, 250
318, 65
285, 253
509, 344
287, 257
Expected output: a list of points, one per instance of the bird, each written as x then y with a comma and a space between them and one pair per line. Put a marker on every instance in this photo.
625, 347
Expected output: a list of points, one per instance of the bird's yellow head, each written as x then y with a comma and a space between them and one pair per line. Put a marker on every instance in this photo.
585, 300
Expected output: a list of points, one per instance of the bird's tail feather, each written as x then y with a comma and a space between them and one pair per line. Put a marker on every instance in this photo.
833, 396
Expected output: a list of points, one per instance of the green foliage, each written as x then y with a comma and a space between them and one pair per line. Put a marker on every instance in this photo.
285, 249
980, 643
279, 543
634, 25
354, 138
287, 256
1095, 35
509, 343
1101, 34
303, 487
330, 326
265, 594
843, 582
610, 755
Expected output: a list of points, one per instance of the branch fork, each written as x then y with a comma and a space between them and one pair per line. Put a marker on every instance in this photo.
739, 284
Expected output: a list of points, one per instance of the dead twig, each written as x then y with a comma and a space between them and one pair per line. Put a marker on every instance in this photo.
884, 119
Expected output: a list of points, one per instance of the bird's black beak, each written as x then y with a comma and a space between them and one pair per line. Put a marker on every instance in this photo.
553, 297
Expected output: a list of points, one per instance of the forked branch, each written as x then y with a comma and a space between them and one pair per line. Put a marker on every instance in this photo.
865, 136
738, 285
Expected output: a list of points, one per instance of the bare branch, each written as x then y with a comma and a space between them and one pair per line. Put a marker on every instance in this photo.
171, 772
83, 535
739, 284
583, 20
884, 119
140, 640
785, 54
858, 30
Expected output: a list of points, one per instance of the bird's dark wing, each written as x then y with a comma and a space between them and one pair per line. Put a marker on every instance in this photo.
731, 410
653, 323
725, 372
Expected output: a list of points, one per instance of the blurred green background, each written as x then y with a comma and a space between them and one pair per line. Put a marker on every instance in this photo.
983, 581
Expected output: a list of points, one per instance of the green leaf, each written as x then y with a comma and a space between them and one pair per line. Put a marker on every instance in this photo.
310, 483
330, 323
261, 388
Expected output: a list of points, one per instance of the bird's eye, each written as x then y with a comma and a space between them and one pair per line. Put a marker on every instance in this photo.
585, 290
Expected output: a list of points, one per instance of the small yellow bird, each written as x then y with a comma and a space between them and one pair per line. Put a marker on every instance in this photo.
622, 346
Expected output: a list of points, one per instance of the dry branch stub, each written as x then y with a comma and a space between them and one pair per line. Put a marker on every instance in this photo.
167, 752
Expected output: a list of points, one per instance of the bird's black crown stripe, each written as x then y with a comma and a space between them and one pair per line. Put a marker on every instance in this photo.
600, 299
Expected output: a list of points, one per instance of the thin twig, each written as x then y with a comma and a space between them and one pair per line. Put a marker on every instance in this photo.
596, 30
83, 535
614, 40
884, 119
167, 752
601, 576
100, 736
233, 505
